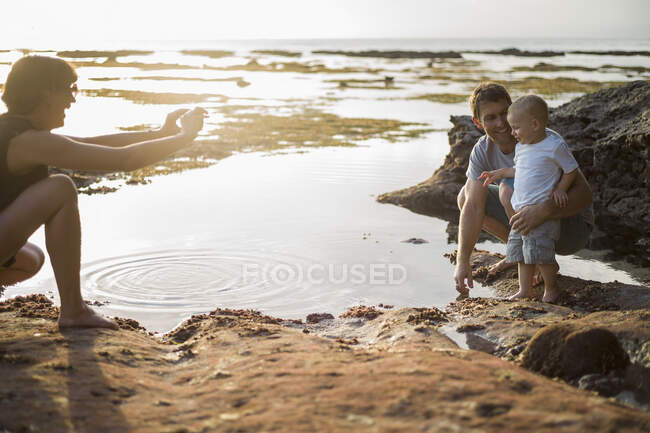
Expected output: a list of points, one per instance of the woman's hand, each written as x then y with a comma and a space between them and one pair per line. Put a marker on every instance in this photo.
170, 127
192, 121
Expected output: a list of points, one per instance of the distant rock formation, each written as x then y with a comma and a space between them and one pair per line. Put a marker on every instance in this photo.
609, 134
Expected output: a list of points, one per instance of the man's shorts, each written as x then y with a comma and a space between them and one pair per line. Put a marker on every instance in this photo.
574, 230
537, 247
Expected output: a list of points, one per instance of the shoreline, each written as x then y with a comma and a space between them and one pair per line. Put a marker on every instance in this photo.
371, 367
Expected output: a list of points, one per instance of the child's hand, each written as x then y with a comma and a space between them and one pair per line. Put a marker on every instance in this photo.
490, 177
560, 198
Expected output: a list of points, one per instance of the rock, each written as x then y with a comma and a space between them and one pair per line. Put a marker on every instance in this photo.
437, 195
609, 134
317, 317
416, 241
395, 54
568, 352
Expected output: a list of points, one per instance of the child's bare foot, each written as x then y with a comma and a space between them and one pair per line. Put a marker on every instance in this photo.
88, 318
501, 265
538, 279
522, 295
551, 291
551, 295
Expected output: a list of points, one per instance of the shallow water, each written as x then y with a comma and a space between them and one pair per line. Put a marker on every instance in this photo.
288, 233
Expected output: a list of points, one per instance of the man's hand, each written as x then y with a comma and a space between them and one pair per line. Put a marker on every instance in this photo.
170, 127
560, 197
463, 272
528, 218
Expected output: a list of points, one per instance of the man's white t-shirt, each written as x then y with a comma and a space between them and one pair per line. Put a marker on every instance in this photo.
538, 168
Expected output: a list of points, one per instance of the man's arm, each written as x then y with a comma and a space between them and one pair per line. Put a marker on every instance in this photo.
530, 217
471, 221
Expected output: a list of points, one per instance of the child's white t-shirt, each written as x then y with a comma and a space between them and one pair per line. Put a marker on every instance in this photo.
538, 168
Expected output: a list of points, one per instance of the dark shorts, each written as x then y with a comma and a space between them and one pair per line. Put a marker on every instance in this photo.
574, 230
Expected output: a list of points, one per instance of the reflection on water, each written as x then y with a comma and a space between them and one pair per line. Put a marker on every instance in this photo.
288, 233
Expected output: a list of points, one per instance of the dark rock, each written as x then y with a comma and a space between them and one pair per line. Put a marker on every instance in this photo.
570, 352
416, 241
395, 54
317, 317
606, 385
519, 53
437, 195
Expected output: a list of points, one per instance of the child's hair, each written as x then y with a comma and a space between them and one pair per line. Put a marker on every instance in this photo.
532, 105
30, 77
487, 92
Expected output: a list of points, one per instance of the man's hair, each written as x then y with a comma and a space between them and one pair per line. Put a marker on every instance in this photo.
487, 92
532, 105
30, 77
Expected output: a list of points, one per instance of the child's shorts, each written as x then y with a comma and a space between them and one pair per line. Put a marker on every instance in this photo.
537, 247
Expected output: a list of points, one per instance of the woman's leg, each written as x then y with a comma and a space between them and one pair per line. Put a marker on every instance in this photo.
53, 202
28, 261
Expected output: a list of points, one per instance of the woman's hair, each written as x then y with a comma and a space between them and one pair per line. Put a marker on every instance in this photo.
29, 79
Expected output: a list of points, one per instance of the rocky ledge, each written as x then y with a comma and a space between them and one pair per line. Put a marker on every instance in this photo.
609, 134
371, 369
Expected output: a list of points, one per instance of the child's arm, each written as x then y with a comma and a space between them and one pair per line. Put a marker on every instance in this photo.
559, 192
495, 175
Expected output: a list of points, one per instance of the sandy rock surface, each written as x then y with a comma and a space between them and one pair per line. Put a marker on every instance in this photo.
372, 369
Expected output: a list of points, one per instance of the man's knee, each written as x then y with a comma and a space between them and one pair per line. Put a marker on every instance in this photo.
505, 193
461, 198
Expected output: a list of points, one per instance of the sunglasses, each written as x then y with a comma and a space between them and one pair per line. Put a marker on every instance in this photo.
73, 89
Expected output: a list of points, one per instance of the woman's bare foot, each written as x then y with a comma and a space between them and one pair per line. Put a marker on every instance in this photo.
88, 318
522, 295
501, 265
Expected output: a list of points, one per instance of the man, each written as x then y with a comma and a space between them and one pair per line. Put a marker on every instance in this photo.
481, 207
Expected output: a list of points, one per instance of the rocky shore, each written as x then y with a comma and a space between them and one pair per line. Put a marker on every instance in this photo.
371, 369
609, 134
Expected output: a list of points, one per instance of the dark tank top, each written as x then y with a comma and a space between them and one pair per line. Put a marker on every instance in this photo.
12, 185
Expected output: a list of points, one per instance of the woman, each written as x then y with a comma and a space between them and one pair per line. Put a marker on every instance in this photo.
37, 93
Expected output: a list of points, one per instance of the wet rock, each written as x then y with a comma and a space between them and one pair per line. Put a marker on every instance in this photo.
395, 54
568, 352
607, 385
416, 241
317, 317
361, 311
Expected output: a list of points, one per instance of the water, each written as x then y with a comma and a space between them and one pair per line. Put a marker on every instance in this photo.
287, 233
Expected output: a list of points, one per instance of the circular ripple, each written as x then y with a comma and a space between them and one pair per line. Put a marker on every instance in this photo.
192, 281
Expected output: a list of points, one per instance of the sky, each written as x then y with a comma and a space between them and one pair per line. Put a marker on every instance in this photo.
72, 20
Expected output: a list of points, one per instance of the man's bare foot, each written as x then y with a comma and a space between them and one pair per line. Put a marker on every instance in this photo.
501, 265
522, 295
88, 318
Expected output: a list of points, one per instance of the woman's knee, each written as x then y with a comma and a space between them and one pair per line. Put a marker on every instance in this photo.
63, 187
30, 258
